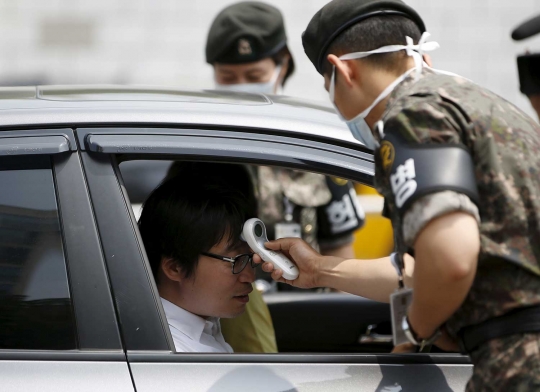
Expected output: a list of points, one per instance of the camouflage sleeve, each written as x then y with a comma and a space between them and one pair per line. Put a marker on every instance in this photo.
433, 206
426, 119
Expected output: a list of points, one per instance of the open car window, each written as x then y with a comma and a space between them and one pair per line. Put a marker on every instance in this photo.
316, 320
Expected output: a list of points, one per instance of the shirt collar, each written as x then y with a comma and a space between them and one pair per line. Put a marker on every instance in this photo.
188, 323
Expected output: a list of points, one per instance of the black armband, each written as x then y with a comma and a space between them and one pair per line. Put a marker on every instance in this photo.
342, 215
417, 170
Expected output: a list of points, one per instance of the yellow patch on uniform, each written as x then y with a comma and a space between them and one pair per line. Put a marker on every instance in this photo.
388, 154
339, 181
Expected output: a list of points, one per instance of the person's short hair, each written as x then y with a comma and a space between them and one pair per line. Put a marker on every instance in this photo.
373, 33
192, 211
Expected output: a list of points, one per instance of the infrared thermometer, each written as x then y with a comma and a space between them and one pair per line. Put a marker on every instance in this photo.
254, 233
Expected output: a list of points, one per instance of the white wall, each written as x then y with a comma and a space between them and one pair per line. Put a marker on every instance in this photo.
162, 41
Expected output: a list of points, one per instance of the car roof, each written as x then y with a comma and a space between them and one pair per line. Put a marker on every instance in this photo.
36, 106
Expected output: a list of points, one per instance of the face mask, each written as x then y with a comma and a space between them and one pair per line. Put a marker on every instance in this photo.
254, 88
357, 125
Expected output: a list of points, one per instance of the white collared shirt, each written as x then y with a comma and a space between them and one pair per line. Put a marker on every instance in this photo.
192, 333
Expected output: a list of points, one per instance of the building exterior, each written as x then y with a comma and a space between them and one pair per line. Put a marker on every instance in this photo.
161, 42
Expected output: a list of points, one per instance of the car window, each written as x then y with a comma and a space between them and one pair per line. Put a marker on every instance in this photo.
35, 305
293, 320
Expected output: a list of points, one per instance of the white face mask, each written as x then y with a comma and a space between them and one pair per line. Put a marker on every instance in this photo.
357, 125
254, 88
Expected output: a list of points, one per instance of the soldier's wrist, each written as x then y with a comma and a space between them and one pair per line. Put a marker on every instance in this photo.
417, 325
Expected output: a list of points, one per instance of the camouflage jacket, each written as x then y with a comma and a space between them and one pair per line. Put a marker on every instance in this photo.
504, 144
325, 208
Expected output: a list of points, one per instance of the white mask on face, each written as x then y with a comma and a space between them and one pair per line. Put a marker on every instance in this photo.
254, 88
357, 125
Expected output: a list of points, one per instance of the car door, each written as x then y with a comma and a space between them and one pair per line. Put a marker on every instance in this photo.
58, 328
150, 349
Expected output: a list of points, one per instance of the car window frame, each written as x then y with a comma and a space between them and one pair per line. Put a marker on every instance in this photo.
319, 164
95, 322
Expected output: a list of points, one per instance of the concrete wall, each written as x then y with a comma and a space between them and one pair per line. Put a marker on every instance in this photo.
162, 41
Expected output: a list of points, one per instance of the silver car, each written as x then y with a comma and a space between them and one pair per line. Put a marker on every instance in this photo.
79, 309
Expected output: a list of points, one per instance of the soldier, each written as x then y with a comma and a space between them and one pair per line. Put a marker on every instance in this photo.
459, 168
247, 48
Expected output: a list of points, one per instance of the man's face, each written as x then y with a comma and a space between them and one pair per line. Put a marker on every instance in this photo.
257, 72
213, 290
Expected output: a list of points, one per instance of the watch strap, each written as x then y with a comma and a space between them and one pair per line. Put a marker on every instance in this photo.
412, 336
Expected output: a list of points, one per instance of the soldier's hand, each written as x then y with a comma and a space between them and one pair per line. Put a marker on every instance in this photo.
299, 252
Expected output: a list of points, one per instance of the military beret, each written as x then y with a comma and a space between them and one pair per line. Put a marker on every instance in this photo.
245, 32
338, 15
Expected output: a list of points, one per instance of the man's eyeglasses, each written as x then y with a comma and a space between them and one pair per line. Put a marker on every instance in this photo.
238, 262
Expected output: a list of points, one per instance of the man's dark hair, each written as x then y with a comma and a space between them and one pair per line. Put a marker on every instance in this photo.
371, 34
193, 210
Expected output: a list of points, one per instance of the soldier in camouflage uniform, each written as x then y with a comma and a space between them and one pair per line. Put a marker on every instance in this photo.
505, 146
325, 208
459, 168
247, 48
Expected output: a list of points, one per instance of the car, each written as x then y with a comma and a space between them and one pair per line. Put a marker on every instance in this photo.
79, 309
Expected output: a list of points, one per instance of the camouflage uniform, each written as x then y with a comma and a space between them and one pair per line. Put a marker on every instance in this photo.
324, 207
505, 147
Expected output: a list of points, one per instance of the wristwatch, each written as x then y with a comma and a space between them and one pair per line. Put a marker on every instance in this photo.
412, 336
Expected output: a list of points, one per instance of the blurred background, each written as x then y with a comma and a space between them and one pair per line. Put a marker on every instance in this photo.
161, 42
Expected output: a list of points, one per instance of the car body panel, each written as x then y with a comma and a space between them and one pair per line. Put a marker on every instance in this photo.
65, 376
272, 377
156, 106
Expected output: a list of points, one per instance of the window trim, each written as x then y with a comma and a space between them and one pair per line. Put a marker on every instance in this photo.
33, 145
91, 296
314, 358
63, 355
55, 141
125, 260
234, 146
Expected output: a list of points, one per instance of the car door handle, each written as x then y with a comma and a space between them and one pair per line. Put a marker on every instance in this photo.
371, 337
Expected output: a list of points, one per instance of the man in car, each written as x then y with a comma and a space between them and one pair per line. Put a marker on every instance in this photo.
203, 270
459, 168
247, 48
